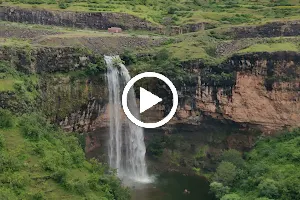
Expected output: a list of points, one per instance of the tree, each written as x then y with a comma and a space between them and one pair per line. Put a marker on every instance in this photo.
226, 173
234, 157
218, 189
6, 119
268, 188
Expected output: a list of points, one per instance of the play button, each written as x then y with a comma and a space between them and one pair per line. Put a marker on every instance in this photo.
147, 100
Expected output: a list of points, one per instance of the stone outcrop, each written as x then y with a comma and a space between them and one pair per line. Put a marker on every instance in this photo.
105, 45
258, 89
187, 28
11, 31
75, 104
93, 20
74, 101
270, 29
46, 59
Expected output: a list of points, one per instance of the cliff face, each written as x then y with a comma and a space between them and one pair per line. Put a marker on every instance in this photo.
270, 29
72, 99
46, 59
94, 20
227, 107
220, 106
259, 90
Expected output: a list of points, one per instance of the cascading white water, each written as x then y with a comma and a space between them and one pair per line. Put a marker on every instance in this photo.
126, 144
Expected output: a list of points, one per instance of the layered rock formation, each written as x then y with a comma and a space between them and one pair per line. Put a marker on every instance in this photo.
46, 59
94, 20
270, 29
228, 107
259, 89
73, 100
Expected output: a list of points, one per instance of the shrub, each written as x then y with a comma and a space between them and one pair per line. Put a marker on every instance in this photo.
8, 163
218, 189
2, 140
172, 9
94, 69
54, 160
19, 87
62, 4
33, 126
155, 147
97, 167
6, 119
226, 173
76, 185
268, 188
7, 194
234, 157
211, 51
38, 196
16, 180
60, 176
232, 196
128, 57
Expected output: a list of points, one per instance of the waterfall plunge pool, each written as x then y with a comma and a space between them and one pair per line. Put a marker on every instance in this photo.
172, 186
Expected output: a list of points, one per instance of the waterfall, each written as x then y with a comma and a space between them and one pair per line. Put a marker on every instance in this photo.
126, 143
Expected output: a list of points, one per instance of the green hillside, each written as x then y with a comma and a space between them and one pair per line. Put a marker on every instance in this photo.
180, 11
270, 171
37, 159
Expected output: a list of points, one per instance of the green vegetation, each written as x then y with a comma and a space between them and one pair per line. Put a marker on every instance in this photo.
19, 87
39, 161
272, 47
157, 145
180, 12
160, 62
6, 120
269, 172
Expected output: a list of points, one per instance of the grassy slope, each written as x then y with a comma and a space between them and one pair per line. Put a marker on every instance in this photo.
182, 11
200, 45
285, 46
30, 168
39, 161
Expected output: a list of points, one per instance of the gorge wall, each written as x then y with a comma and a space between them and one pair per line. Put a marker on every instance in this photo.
72, 87
220, 107
258, 89
227, 106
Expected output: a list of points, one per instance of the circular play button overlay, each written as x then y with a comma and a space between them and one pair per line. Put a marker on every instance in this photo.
147, 100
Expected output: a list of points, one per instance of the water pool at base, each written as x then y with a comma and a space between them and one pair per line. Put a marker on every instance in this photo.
173, 186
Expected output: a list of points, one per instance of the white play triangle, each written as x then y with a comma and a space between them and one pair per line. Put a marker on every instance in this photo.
147, 100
